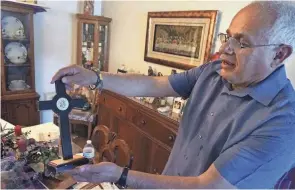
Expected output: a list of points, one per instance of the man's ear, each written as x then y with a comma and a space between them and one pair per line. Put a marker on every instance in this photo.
282, 53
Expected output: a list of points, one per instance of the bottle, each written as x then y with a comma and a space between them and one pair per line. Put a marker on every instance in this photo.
89, 151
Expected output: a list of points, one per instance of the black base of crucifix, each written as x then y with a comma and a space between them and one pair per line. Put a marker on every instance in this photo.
62, 104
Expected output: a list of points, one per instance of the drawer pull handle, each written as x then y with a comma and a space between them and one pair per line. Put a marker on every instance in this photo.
171, 138
120, 108
104, 99
143, 122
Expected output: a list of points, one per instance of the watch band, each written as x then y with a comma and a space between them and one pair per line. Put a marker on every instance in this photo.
99, 83
123, 179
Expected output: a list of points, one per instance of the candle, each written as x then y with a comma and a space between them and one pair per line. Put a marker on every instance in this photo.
22, 144
18, 130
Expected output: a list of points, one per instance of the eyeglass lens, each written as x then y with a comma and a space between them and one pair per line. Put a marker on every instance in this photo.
223, 38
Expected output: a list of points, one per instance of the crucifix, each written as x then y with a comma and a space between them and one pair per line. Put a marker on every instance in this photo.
62, 104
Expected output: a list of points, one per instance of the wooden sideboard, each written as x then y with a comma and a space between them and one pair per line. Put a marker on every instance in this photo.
149, 134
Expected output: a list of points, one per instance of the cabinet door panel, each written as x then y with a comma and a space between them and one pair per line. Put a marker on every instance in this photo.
93, 41
4, 114
139, 144
104, 116
23, 113
87, 38
20, 112
159, 159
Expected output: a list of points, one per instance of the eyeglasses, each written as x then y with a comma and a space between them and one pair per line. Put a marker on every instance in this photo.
224, 38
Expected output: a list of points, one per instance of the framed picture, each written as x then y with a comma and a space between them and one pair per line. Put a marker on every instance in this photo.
28, 1
177, 105
180, 39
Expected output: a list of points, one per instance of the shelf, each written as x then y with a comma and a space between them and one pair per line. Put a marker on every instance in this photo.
14, 65
16, 40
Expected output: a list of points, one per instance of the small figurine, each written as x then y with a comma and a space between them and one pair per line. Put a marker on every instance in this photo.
154, 72
173, 71
150, 71
160, 74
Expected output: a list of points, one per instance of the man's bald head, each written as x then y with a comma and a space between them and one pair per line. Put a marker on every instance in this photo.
261, 39
256, 19
278, 17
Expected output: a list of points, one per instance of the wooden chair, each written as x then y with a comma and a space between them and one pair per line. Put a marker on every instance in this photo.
117, 152
83, 117
99, 138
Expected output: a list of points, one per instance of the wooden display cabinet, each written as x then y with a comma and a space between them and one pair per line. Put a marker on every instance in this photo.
93, 41
18, 95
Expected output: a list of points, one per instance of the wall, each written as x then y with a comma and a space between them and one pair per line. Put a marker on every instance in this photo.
128, 28
55, 43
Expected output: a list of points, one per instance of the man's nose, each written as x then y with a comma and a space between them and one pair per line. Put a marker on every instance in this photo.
226, 49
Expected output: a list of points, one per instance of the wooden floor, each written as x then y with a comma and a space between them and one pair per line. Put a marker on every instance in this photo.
79, 135
80, 141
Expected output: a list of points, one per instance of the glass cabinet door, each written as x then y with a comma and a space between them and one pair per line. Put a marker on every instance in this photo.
16, 49
93, 41
102, 46
87, 44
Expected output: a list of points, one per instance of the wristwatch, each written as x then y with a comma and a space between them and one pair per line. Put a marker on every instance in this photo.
122, 181
99, 83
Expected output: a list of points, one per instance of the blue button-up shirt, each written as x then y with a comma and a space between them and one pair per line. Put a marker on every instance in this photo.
249, 134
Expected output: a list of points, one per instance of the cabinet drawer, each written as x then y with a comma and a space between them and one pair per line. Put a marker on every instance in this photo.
114, 104
155, 128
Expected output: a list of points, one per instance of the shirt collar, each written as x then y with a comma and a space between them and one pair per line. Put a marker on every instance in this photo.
265, 91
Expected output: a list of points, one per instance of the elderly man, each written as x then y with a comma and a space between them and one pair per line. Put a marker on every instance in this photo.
238, 128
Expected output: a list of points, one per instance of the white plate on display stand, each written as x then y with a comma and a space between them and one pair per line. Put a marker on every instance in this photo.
16, 53
18, 88
12, 27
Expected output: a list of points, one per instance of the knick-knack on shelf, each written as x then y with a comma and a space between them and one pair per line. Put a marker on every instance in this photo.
150, 71
88, 7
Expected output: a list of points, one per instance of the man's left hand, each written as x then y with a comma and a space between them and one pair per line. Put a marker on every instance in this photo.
97, 173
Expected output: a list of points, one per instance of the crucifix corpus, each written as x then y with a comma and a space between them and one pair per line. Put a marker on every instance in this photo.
62, 104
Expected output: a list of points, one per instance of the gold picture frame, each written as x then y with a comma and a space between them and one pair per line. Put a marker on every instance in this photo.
179, 39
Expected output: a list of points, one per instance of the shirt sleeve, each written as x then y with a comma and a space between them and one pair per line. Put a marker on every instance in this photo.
183, 83
261, 158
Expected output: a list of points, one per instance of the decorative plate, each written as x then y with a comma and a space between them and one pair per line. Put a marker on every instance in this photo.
16, 53
18, 88
12, 28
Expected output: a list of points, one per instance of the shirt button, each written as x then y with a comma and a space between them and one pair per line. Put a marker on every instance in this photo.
211, 113
185, 157
200, 136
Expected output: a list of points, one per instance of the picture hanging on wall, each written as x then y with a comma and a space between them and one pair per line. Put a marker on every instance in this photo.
180, 39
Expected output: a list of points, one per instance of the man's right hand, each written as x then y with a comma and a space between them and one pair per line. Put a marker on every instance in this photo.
75, 74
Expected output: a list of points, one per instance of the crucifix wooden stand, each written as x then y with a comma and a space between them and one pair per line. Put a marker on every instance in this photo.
62, 104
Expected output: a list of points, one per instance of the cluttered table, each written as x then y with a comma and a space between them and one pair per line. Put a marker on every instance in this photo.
25, 154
